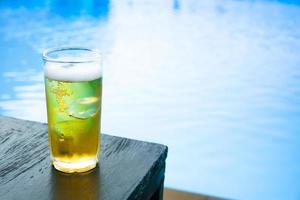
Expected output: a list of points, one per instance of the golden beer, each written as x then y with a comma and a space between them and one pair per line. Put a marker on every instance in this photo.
74, 112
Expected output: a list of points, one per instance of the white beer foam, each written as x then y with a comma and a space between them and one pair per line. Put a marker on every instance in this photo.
73, 71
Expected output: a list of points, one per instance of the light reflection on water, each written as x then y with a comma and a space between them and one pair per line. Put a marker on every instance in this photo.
217, 81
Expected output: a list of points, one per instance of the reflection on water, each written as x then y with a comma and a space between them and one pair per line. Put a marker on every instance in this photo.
217, 81
75, 8
64, 8
23, 95
75, 186
176, 5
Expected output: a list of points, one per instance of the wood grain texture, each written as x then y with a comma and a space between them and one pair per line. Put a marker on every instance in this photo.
171, 194
129, 169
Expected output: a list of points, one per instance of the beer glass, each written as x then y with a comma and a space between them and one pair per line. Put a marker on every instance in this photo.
73, 83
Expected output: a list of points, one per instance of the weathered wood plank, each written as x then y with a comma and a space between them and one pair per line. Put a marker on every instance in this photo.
129, 169
171, 194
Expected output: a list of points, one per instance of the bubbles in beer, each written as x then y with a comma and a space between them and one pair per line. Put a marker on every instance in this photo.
73, 92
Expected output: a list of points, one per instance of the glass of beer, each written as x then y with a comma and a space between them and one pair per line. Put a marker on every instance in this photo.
73, 82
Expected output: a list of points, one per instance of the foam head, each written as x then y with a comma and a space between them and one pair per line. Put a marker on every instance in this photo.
72, 64
73, 71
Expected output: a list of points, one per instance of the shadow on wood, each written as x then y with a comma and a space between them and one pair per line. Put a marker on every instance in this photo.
75, 186
128, 169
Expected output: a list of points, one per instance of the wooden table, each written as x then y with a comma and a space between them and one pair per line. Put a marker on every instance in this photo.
129, 169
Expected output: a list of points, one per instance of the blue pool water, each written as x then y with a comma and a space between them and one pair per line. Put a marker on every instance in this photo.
216, 81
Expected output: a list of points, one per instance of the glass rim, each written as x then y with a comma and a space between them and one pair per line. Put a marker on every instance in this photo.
48, 58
